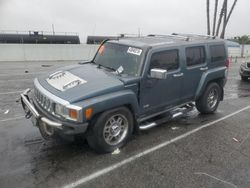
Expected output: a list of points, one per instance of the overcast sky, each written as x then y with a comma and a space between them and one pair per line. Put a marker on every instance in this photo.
112, 17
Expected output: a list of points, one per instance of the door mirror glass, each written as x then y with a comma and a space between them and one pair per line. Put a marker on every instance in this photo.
158, 73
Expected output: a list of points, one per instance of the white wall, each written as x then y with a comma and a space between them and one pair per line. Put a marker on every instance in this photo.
236, 52
67, 52
246, 51
46, 52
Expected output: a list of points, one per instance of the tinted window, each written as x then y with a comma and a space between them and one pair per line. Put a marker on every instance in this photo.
195, 55
218, 53
167, 60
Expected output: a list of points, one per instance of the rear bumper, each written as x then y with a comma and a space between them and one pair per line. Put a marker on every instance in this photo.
40, 116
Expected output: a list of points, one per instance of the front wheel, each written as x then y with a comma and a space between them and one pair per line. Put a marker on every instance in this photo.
210, 99
111, 130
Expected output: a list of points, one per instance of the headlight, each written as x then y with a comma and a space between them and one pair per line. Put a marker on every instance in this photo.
59, 109
69, 112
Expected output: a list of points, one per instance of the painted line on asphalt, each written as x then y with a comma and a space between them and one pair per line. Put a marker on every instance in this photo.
218, 179
110, 168
11, 119
12, 92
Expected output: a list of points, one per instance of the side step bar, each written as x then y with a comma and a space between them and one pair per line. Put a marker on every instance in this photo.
149, 125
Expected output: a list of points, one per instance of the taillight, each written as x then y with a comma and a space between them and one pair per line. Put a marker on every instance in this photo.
228, 61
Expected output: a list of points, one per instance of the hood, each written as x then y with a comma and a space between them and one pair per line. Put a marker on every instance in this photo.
84, 81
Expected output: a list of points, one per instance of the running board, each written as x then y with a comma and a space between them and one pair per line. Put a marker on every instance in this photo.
150, 125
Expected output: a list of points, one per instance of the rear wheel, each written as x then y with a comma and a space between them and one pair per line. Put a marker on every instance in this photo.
111, 130
210, 99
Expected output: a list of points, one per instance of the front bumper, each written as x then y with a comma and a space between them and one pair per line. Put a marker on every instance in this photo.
245, 72
40, 117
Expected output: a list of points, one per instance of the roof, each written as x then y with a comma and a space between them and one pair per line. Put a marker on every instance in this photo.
163, 40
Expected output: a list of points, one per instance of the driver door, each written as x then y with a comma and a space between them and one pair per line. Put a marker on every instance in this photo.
157, 94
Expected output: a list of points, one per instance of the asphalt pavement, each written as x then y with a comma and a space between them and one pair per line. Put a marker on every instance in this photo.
191, 151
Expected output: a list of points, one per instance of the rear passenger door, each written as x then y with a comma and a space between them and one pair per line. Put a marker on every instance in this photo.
196, 65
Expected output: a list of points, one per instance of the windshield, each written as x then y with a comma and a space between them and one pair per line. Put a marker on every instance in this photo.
123, 59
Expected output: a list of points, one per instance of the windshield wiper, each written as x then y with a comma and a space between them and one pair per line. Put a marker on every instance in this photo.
110, 68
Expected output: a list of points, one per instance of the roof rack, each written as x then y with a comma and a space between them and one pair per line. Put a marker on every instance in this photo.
170, 36
195, 35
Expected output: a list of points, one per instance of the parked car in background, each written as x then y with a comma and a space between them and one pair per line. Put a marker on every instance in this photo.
128, 86
245, 70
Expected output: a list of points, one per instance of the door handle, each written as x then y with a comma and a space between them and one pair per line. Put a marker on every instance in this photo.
203, 68
178, 75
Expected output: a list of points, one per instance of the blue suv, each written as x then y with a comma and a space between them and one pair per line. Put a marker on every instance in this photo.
128, 85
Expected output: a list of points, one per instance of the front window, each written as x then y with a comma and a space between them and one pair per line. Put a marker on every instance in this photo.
167, 60
121, 58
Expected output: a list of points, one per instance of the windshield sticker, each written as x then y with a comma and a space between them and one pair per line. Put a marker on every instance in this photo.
135, 51
120, 70
101, 50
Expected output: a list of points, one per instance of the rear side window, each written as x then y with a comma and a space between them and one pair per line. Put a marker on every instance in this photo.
218, 53
167, 60
195, 55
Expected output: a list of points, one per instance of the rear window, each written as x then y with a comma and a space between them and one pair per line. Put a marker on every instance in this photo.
218, 53
195, 55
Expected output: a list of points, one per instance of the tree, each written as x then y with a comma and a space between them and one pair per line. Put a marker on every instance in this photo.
245, 39
224, 21
220, 18
215, 15
231, 10
208, 18
223, 16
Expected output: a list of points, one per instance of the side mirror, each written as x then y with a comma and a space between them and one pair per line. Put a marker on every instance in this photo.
158, 73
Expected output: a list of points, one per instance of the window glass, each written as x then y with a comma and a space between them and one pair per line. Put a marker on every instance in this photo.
167, 60
117, 56
218, 53
195, 55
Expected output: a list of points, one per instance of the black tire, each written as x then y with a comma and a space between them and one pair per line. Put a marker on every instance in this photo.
206, 104
97, 138
244, 78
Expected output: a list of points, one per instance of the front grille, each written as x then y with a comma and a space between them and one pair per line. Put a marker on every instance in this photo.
44, 101
248, 65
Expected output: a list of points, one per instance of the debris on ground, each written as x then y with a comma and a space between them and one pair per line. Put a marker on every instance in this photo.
236, 140
47, 65
116, 151
7, 111
26, 71
175, 128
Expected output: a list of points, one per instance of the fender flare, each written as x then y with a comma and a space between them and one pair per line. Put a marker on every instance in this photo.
213, 74
112, 100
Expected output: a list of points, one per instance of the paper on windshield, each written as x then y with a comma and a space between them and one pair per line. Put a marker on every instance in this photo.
135, 51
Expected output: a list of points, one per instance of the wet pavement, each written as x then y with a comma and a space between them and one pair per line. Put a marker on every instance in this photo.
183, 155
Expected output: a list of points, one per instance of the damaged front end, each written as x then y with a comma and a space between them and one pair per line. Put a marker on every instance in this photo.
45, 125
